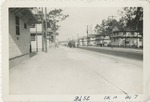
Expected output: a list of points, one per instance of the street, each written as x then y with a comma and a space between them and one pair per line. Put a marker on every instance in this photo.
66, 70
131, 53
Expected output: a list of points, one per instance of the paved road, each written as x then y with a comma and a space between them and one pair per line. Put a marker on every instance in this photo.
122, 52
75, 71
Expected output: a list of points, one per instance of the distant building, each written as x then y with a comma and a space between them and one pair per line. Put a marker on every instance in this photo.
102, 39
64, 43
84, 41
36, 45
20, 20
92, 41
80, 41
36, 31
126, 38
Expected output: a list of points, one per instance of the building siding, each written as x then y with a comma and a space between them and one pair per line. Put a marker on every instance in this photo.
19, 46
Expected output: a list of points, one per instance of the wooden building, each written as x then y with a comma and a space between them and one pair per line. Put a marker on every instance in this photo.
20, 20
127, 38
91, 40
83, 41
103, 39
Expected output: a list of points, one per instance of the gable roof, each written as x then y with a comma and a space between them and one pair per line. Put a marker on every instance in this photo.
115, 29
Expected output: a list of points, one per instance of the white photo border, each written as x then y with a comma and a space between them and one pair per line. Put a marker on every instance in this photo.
74, 3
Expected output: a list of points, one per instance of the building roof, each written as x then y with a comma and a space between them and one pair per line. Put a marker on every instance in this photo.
91, 35
24, 14
103, 34
116, 29
84, 37
119, 29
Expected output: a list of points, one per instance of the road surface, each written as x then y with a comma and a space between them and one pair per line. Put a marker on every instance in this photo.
131, 53
66, 70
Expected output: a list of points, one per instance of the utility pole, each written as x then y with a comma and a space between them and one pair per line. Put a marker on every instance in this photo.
54, 36
42, 30
45, 29
49, 39
125, 39
87, 36
77, 40
49, 36
36, 39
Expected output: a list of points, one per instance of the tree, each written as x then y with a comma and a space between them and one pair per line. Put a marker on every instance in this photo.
54, 17
111, 23
106, 26
132, 17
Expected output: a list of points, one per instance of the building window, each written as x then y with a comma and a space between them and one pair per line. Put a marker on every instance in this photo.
140, 39
32, 37
17, 26
25, 26
32, 26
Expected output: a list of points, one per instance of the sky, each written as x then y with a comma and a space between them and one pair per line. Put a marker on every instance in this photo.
81, 17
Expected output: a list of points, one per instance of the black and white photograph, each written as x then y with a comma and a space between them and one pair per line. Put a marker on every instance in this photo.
76, 50
58, 50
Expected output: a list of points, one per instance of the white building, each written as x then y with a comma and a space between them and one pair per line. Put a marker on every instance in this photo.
36, 43
103, 40
127, 38
20, 20
92, 40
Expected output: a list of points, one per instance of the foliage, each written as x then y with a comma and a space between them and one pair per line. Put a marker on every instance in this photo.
54, 17
132, 17
106, 26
